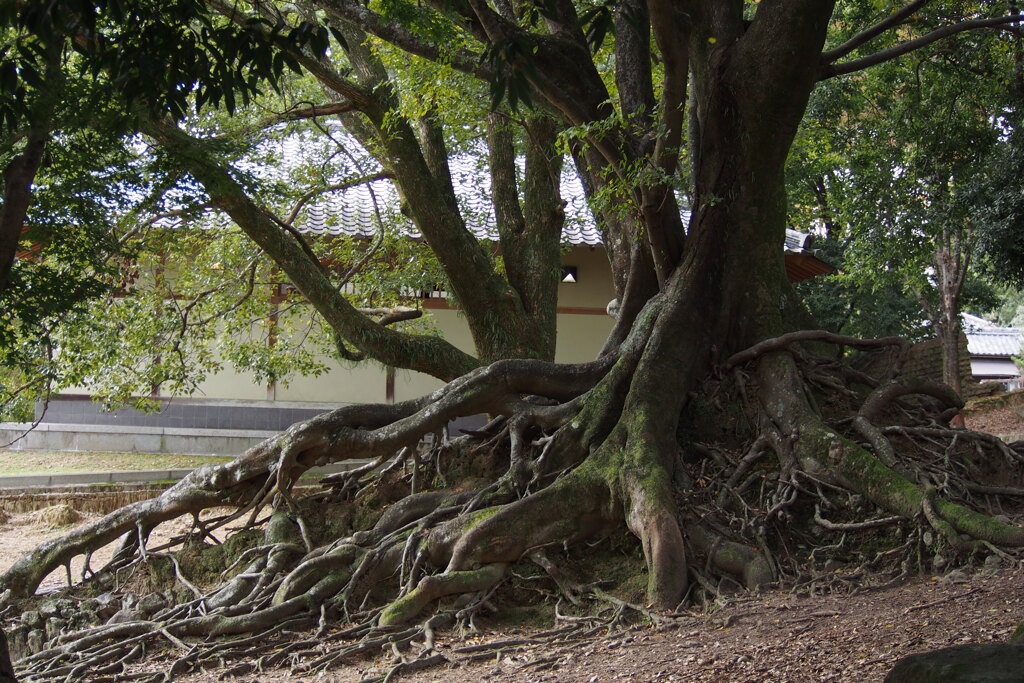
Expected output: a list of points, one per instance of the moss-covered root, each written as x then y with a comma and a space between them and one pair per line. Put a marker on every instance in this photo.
568, 511
340, 561
829, 455
743, 562
651, 515
483, 543
432, 588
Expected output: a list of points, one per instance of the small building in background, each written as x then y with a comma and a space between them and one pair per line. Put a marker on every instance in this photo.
992, 350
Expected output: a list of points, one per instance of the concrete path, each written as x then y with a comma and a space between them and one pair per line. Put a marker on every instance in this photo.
132, 477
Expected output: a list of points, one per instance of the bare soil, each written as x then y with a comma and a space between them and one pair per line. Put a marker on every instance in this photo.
773, 636
51, 462
1002, 415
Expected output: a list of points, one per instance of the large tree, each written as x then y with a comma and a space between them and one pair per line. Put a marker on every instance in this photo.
708, 383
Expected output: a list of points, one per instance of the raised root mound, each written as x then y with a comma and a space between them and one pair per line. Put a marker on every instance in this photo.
785, 468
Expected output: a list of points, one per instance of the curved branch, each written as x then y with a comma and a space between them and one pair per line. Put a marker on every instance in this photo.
305, 199
431, 355
782, 341
869, 34
904, 48
365, 19
349, 433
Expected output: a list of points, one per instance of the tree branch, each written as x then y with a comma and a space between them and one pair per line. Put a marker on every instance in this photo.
883, 56
18, 178
782, 341
873, 32
305, 199
363, 18
357, 98
311, 112
431, 355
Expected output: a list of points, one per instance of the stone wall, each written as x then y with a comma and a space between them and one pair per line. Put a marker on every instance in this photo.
924, 359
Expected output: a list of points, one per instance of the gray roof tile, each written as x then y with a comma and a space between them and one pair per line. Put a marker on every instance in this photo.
351, 212
985, 338
995, 341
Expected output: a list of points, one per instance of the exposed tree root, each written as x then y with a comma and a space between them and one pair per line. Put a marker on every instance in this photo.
582, 458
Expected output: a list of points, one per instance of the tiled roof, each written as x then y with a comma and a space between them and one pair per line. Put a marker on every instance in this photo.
999, 341
351, 211
985, 339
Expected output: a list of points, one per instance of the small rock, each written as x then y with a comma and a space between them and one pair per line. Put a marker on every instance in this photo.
993, 562
126, 615
34, 641
152, 603
939, 562
84, 618
50, 608
16, 637
106, 605
974, 663
54, 627
955, 576
32, 619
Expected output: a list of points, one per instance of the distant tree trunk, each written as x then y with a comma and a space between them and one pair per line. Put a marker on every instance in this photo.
952, 259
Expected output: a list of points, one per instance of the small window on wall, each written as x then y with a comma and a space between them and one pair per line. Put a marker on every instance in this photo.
569, 275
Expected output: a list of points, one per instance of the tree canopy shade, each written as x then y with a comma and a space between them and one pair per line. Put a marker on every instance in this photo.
708, 384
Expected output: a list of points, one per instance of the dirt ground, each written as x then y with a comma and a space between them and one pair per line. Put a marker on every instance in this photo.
22, 532
773, 636
1002, 415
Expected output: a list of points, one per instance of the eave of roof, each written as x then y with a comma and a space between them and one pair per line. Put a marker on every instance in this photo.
801, 266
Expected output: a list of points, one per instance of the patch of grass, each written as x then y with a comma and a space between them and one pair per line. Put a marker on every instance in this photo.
15, 463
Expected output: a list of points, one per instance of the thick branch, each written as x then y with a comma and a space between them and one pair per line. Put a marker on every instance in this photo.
782, 341
18, 178
869, 34
431, 355
348, 433
361, 17
904, 48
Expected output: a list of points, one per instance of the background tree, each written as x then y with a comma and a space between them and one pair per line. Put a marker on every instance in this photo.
891, 163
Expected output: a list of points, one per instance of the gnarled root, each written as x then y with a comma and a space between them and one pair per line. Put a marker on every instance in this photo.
589, 449
835, 459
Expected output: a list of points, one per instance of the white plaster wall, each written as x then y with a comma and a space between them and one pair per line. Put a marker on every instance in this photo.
593, 288
363, 383
580, 337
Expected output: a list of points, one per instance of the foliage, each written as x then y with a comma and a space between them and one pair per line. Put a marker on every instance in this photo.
1001, 207
166, 56
888, 166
